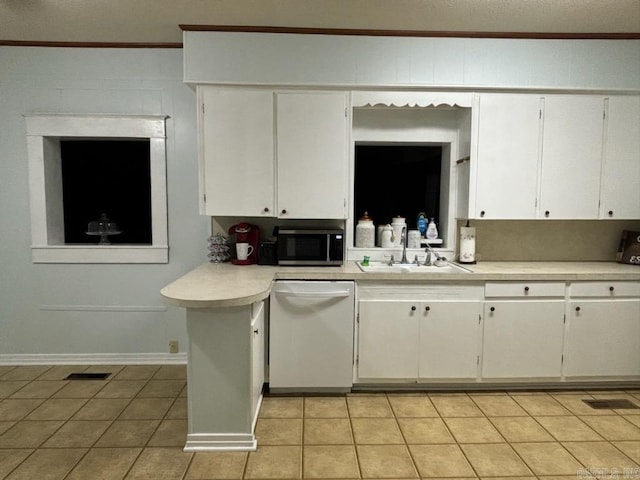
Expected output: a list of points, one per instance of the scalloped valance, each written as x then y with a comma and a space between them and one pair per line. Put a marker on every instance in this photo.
411, 99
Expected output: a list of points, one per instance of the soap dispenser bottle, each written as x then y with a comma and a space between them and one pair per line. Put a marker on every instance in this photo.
432, 230
422, 224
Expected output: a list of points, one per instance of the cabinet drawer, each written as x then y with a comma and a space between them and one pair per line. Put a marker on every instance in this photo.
524, 289
605, 289
419, 292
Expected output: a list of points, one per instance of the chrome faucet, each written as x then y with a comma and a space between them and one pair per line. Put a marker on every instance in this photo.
403, 238
431, 252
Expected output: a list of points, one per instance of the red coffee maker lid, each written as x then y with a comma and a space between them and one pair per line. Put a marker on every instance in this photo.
242, 228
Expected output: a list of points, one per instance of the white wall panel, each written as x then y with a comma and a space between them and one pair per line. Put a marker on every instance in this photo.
297, 59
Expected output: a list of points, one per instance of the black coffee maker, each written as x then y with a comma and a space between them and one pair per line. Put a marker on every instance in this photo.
267, 253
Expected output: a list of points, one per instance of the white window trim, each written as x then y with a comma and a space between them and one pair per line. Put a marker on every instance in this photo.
44, 132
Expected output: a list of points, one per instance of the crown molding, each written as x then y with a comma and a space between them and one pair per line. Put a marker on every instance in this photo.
413, 33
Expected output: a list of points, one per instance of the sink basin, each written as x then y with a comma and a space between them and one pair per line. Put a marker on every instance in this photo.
384, 267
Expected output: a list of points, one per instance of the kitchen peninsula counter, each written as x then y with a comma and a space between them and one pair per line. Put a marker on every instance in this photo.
225, 316
226, 285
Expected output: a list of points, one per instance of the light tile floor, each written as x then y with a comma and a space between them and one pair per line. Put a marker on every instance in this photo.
133, 426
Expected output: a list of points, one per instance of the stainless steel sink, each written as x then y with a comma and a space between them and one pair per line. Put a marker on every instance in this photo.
384, 267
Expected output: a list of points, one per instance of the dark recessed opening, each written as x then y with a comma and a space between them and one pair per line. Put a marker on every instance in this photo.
392, 180
611, 404
87, 376
106, 176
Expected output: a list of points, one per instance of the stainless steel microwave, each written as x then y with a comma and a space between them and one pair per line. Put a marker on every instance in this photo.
310, 246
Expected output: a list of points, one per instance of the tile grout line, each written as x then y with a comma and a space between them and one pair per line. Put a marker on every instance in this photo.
21, 419
304, 407
569, 413
455, 439
542, 426
111, 422
577, 416
529, 467
143, 447
404, 439
353, 436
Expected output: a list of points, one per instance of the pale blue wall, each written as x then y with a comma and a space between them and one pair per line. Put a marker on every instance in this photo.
116, 81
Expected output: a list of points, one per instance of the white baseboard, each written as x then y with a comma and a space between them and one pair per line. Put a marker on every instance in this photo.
221, 442
94, 359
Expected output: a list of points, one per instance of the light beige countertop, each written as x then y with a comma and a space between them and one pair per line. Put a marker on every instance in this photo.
226, 285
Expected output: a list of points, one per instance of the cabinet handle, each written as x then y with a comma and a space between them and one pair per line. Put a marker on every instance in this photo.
482, 213
577, 309
427, 308
266, 210
283, 212
526, 289
256, 331
547, 213
493, 309
611, 213
413, 308
611, 289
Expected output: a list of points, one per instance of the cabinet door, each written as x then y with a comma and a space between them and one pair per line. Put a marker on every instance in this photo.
449, 339
523, 339
388, 339
508, 146
258, 357
312, 155
621, 172
571, 157
237, 150
603, 338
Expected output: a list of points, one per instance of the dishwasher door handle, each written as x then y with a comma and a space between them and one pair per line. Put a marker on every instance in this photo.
327, 294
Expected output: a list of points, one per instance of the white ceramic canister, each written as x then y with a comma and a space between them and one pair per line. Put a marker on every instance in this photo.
398, 223
413, 239
387, 237
365, 232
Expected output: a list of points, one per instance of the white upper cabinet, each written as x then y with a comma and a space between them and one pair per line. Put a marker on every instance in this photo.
571, 157
273, 154
556, 157
507, 156
620, 196
312, 154
236, 151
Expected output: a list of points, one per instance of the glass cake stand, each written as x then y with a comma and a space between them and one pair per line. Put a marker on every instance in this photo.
104, 228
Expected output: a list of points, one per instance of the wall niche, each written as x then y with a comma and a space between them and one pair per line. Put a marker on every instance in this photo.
83, 166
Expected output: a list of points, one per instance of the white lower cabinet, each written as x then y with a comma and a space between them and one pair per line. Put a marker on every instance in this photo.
523, 330
418, 333
539, 331
523, 339
604, 330
257, 356
388, 340
449, 340
225, 372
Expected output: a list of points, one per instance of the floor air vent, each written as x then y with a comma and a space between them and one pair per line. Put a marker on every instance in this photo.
611, 403
87, 376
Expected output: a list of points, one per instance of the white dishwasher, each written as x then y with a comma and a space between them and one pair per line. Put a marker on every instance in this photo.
311, 336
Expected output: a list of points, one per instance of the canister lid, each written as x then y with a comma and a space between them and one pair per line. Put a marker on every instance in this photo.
366, 217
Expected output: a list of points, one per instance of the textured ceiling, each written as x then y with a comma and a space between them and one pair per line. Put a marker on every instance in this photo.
156, 21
